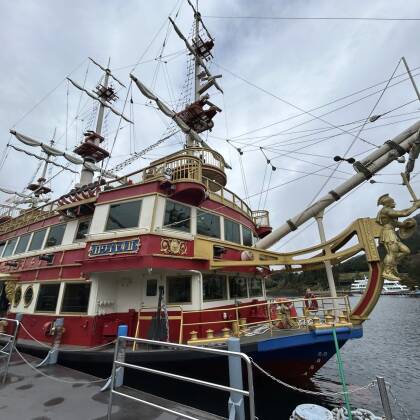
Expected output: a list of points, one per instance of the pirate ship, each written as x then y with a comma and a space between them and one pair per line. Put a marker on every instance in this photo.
171, 252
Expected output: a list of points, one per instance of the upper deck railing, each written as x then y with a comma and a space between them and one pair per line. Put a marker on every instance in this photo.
188, 165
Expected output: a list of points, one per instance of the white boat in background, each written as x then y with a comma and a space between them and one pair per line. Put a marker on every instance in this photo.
390, 287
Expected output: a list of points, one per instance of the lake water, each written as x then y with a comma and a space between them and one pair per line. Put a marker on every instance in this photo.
390, 348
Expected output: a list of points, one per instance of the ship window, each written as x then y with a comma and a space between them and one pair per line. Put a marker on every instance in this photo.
151, 287
82, 229
177, 216
214, 287
37, 240
179, 289
2, 245
22, 244
255, 287
76, 297
246, 236
28, 296
10, 247
232, 231
47, 297
17, 296
208, 224
124, 215
55, 236
237, 287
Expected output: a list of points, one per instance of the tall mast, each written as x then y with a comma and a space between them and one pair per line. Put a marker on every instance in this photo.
196, 63
90, 149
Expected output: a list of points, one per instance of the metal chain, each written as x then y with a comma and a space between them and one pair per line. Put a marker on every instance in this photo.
53, 377
397, 404
307, 391
62, 349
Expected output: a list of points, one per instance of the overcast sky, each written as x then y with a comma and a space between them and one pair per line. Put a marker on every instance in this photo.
304, 63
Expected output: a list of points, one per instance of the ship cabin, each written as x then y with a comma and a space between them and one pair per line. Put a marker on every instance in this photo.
137, 251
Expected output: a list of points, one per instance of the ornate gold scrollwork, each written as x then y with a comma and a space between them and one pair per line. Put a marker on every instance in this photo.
171, 246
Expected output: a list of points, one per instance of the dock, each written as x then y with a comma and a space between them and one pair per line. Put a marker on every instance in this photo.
59, 393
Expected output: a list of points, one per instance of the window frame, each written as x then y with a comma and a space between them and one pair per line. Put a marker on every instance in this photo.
39, 292
167, 290
227, 219
2, 244
249, 286
63, 294
18, 288
246, 284
171, 227
226, 287
32, 238
18, 242
48, 234
243, 227
84, 219
198, 211
16, 238
27, 304
120, 203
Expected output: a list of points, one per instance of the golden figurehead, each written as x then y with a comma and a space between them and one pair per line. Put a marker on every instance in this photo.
395, 249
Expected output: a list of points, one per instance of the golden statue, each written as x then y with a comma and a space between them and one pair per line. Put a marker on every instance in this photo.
388, 219
10, 286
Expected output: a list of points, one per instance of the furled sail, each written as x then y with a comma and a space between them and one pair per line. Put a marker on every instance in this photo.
52, 151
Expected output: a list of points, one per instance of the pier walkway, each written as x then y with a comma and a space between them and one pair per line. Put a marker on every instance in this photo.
29, 395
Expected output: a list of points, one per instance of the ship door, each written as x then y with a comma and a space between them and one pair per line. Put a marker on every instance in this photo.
150, 290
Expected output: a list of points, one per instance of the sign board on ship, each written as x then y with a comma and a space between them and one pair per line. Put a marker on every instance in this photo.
129, 246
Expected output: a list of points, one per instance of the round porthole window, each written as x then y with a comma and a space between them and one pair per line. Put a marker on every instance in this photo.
28, 296
18, 296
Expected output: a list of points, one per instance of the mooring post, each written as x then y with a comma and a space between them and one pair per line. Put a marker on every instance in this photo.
236, 401
384, 397
52, 356
121, 346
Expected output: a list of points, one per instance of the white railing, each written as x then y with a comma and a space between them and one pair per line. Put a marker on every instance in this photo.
119, 362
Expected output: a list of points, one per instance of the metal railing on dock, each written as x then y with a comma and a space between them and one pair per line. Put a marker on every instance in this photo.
7, 350
119, 362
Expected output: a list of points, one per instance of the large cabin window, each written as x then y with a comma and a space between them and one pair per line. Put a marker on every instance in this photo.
178, 289
82, 229
177, 216
55, 236
37, 240
232, 233
23, 243
124, 215
214, 287
208, 224
47, 297
238, 287
255, 287
11, 243
246, 236
76, 297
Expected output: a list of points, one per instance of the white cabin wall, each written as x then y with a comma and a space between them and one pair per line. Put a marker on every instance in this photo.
129, 291
21, 307
70, 232
99, 219
159, 212
147, 208
106, 293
